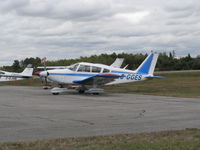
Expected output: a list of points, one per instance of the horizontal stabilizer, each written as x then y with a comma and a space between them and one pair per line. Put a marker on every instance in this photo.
155, 77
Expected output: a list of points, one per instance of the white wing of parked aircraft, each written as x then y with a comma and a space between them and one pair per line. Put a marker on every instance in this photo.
98, 74
12, 76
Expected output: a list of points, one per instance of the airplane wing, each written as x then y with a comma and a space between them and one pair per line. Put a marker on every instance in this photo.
117, 63
99, 79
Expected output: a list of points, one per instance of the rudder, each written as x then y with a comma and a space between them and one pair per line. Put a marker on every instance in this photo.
148, 65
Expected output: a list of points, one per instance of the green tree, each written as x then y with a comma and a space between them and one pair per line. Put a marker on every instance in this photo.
16, 66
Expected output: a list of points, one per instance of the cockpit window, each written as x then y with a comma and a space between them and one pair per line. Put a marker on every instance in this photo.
96, 69
73, 67
2, 72
105, 70
84, 68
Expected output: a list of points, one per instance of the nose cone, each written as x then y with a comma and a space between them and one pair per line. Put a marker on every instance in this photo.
44, 74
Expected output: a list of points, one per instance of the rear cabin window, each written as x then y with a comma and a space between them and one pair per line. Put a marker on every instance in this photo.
105, 70
96, 69
84, 68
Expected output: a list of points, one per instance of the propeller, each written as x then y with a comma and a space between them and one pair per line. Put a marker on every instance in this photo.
44, 74
45, 78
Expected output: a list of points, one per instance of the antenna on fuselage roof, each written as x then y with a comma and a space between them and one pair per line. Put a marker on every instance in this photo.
43, 60
126, 66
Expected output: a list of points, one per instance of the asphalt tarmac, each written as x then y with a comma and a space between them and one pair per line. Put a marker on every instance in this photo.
31, 113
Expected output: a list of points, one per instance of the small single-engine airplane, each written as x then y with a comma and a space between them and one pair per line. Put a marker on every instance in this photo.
84, 74
117, 64
13, 76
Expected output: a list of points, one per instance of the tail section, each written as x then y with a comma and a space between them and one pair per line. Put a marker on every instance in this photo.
117, 63
28, 72
148, 65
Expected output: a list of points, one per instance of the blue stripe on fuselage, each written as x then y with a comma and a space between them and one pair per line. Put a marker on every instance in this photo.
87, 75
128, 72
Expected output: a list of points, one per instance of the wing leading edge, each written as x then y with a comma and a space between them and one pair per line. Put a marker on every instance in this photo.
99, 79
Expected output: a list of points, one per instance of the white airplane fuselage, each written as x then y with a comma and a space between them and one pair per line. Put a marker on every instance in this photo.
4, 79
12, 76
67, 76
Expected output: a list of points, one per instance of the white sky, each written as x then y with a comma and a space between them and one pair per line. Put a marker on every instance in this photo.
72, 28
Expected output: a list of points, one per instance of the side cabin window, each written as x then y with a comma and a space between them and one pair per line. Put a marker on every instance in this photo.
84, 68
96, 69
105, 70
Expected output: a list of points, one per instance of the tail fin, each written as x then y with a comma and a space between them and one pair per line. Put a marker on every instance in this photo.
28, 72
117, 63
148, 65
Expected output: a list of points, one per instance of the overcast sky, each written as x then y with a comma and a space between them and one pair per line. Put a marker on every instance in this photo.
72, 28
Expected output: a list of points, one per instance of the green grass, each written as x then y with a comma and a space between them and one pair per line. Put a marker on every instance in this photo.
165, 140
26, 82
181, 84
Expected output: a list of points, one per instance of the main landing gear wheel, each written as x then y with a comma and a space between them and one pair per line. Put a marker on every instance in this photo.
55, 93
81, 91
95, 91
57, 90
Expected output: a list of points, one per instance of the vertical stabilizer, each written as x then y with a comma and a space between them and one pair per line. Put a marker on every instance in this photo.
28, 72
117, 63
149, 64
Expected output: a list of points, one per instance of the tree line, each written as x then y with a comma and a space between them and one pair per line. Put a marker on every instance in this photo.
166, 61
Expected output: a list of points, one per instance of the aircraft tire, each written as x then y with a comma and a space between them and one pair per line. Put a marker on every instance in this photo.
95, 93
55, 93
81, 91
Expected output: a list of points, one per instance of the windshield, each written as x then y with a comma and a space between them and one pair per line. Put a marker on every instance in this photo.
73, 67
